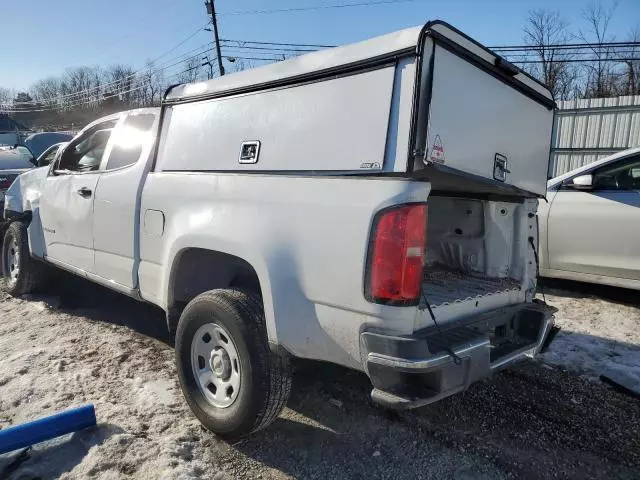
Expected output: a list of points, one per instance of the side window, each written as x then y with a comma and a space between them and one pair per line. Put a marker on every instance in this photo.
48, 157
622, 175
129, 140
85, 153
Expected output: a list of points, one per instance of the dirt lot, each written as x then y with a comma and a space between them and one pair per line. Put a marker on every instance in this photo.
82, 344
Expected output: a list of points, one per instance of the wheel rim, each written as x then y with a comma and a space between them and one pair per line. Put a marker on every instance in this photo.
216, 365
13, 259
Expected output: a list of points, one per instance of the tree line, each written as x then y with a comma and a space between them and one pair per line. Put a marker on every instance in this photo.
82, 94
596, 69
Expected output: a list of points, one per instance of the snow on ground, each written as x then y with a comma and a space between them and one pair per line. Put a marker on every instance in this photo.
83, 344
54, 358
53, 361
598, 336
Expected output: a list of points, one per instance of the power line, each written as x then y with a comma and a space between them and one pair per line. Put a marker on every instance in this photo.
566, 45
254, 58
278, 43
182, 42
213, 69
248, 47
521, 58
578, 56
319, 7
583, 60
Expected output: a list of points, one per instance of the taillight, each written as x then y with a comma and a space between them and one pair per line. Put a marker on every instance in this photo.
6, 180
399, 239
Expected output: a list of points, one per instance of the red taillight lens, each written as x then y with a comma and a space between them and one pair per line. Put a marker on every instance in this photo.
397, 256
6, 180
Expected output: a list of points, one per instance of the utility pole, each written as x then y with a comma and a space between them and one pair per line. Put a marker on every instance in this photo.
211, 10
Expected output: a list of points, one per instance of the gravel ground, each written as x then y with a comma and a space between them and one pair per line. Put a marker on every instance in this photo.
83, 344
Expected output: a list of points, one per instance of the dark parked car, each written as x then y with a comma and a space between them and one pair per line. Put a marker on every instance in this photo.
13, 162
39, 142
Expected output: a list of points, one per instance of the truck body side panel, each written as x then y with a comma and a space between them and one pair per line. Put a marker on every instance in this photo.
337, 124
306, 238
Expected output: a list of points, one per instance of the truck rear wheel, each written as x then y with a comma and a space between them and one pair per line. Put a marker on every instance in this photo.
20, 272
231, 380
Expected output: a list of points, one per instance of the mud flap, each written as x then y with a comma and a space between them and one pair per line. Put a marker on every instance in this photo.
550, 336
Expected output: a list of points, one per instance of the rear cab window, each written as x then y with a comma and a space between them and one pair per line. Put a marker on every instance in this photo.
129, 140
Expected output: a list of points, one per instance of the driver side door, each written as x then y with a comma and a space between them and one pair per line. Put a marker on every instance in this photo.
66, 202
597, 231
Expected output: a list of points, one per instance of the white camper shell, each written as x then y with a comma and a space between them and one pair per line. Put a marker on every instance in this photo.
372, 205
425, 100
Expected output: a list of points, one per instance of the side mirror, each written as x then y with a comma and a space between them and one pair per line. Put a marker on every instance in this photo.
581, 182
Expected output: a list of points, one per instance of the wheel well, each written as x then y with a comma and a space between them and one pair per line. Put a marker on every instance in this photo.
11, 216
197, 270
24, 217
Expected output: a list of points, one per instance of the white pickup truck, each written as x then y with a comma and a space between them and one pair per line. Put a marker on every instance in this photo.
372, 205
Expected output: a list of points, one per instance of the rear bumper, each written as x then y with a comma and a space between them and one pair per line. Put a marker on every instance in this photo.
412, 371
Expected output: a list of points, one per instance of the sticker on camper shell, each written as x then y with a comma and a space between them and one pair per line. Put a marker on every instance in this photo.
437, 151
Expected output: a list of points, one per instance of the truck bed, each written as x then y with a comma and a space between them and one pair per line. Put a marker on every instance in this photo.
444, 286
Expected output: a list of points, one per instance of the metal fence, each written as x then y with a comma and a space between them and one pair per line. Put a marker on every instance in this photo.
587, 130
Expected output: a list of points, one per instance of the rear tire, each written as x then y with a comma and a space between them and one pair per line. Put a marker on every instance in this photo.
231, 380
21, 273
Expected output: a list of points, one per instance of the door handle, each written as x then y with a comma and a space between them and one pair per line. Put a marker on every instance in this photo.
84, 192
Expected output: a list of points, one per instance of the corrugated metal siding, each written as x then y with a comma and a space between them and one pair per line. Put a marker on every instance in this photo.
586, 130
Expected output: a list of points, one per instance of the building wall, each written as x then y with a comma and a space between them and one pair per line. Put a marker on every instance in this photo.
586, 130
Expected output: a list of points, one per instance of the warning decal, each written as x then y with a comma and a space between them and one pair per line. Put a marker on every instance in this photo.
437, 151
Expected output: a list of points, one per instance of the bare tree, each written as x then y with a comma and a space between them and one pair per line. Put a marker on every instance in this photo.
121, 83
5, 96
46, 91
80, 87
240, 64
632, 84
191, 71
22, 98
544, 30
602, 75
151, 83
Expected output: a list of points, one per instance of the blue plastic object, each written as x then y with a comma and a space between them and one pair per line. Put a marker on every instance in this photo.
47, 428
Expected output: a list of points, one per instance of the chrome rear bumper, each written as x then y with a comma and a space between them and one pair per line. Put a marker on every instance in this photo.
412, 371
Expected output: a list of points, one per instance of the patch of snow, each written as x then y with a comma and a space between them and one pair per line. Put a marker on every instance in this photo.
159, 391
597, 338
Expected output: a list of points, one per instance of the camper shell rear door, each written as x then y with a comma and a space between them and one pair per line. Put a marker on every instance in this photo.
480, 124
